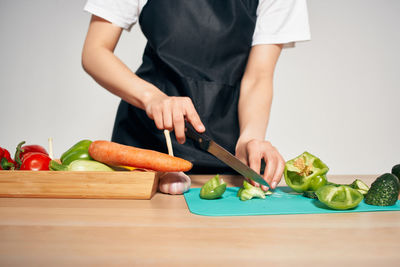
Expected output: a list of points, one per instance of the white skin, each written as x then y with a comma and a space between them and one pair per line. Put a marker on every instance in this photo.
99, 61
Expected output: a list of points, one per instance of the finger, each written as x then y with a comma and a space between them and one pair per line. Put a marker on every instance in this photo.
167, 116
251, 182
255, 161
179, 124
193, 117
264, 188
278, 172
158, 118
254, 183
241, 154
269, 168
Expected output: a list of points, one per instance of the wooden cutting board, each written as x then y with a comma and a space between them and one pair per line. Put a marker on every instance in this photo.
63, 184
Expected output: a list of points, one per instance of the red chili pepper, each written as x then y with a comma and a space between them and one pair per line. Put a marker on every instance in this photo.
21, 151
6, 162
35, 161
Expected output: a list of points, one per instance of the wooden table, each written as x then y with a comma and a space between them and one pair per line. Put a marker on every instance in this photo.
162, 232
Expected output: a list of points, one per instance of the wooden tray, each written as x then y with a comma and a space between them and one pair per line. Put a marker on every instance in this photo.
62, 184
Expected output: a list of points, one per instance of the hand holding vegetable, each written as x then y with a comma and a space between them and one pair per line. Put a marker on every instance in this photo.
253, 152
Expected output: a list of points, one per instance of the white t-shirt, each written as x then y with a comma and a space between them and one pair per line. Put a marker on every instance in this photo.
278, 21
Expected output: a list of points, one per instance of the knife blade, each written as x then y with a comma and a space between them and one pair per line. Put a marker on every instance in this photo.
207, 144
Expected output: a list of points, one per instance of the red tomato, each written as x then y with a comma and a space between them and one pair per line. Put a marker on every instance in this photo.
35, 161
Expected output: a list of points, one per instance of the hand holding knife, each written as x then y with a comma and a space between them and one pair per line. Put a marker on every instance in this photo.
207, 144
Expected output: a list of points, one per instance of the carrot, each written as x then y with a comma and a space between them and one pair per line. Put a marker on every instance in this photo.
115, 154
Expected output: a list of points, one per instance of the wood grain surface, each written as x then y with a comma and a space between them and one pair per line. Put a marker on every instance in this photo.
162, 232
79, 184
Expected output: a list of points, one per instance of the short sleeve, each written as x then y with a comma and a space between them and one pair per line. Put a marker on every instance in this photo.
281, 22
123, 13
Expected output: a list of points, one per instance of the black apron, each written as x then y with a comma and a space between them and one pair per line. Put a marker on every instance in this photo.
199, 49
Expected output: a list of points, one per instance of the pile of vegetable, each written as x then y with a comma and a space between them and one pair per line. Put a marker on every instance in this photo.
306, 174
86, 155
215, 188
27, 158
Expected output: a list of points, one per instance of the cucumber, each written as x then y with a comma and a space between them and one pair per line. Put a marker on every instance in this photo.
80, 165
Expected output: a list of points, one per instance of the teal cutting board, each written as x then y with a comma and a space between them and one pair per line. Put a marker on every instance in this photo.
282, 201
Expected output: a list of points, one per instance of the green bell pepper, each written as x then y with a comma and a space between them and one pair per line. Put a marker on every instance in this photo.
213, 188
78, 151
305, 173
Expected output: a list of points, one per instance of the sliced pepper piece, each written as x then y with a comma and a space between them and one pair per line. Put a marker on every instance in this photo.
78, 151
305, 172
213, 188
360, 186
248, 192
341, 197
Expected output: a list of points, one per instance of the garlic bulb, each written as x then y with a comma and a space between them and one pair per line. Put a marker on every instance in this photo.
174, 183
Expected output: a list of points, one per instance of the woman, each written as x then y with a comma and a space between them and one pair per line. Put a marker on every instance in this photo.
208, 62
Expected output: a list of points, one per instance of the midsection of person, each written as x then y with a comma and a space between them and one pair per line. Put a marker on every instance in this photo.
209, 62
188, 56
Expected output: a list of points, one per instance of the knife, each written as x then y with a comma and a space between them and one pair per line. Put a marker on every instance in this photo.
207, 144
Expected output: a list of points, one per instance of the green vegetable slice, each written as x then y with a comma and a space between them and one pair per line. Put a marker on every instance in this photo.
360, 186
213, 188
339, 197
248, 192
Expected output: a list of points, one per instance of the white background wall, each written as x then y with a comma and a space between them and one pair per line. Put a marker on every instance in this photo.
336, 96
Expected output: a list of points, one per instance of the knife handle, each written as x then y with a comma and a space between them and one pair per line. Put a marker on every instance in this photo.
202, 140
263, 165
